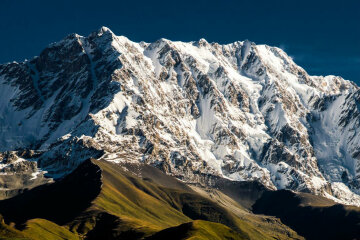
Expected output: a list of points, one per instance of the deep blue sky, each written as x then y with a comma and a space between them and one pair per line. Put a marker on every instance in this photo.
321, 36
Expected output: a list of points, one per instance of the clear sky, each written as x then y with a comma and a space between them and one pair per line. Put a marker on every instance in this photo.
321, 36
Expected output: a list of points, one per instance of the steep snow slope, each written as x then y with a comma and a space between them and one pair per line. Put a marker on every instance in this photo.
195, 110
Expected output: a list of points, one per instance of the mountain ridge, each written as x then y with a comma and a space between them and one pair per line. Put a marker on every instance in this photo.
105, 200
196, 110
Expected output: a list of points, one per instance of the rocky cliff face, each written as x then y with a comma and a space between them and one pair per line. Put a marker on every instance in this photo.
195, 110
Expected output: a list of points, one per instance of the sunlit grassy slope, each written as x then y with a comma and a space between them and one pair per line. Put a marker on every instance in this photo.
39, 229
8, 232
43, 230
198, 230
144, 205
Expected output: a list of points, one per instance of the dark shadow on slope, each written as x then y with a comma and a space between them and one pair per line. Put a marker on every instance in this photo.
313, 222
197, 207
59, 202
154, 175
109, 227
245, 193
197, 230
173, 233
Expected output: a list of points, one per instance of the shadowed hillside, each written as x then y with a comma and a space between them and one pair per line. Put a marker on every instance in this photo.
104, 200
108, 201
313, 217
59, 202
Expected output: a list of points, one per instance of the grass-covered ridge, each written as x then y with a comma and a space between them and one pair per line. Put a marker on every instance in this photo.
37, 229
124, 205
198, 230
151, 201
43, 230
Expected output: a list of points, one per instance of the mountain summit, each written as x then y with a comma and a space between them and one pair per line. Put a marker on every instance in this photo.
198, 111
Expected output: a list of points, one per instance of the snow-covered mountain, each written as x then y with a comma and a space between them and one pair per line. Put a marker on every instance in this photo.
195, 110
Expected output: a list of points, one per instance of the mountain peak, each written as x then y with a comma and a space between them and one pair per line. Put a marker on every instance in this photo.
103, 30
202, 42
